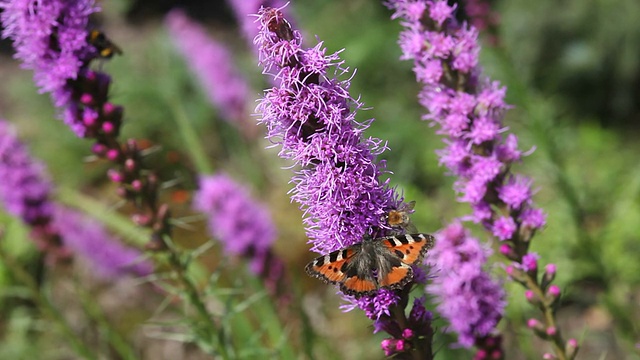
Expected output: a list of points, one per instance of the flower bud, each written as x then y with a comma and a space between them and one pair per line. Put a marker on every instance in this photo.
571, 348
86, 99
407, 333
113, 154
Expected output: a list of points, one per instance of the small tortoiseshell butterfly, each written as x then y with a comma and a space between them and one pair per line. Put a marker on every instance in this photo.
364, 268
399, 218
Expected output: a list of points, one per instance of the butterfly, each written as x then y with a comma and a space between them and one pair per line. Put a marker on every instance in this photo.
399, 218
373, 264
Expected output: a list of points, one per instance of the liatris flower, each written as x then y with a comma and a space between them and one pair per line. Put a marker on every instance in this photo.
25, 192
108, 257
242, 225
468, 298
213, 65
312, 116
469, 111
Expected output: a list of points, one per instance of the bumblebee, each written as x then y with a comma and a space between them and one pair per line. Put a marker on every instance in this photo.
104, 47
400, 218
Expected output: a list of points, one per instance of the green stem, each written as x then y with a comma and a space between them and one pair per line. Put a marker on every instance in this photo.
45, 305
190, 138
549, 317
115, 339
212, 334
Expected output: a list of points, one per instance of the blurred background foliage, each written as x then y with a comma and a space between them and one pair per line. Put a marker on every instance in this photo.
572, 69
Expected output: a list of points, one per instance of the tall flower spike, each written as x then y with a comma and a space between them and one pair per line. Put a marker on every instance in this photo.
25, 192
479, 151
212, 63
311, 115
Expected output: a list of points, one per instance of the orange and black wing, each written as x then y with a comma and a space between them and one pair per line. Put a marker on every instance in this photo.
331, 268
409, 248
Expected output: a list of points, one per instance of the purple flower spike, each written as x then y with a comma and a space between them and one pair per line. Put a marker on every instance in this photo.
25, 188
312, 117
213, 65
471, 301
241, 224
25, 192
108, 257
469, 112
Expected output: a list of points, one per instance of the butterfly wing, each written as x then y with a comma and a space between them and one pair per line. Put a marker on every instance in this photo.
331, 268
410, 249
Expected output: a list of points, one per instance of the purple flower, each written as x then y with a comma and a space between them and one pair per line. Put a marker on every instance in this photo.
374, 306
235, 219
469, 111
108, 257
25, 188
242, 225
213, 65
312, 117
50, 37
469, 299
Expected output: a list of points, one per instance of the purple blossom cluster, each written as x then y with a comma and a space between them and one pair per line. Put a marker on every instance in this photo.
241, 224
468, 298
50, 38
108, 256
25, 189
469, 113
213, 64
312, 117
25, 192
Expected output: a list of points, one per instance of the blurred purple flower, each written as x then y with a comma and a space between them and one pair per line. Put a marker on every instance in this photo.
235, 219
241, 224
468, 298
213, 65
312, 116
24, 185
108, 257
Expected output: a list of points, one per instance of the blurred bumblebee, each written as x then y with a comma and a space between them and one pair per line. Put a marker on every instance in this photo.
105, 48
400, 219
